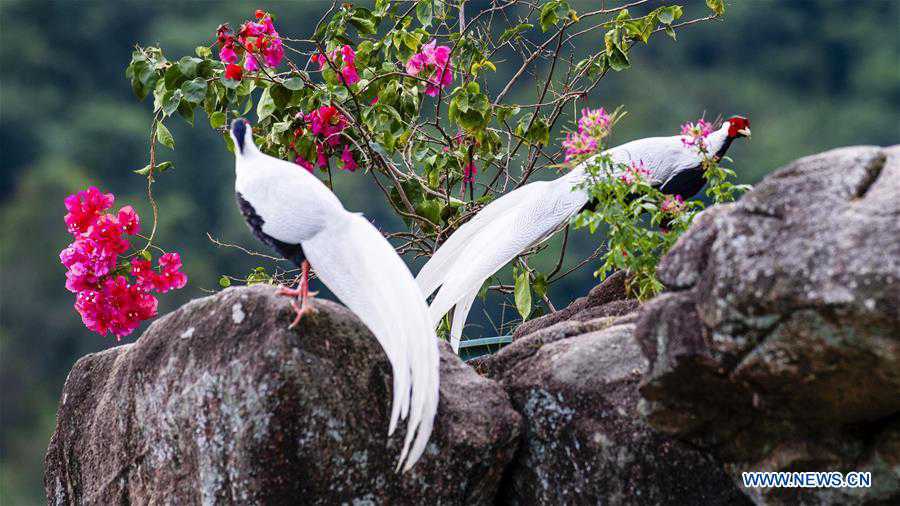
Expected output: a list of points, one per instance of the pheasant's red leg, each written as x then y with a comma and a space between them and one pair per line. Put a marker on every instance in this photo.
303, 296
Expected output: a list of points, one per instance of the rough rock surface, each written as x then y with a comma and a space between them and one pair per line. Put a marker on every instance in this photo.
606, 299
219, 403
778, 344
575, 383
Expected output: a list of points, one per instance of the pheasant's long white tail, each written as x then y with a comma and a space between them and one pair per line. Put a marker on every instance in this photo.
362, 269
460, 313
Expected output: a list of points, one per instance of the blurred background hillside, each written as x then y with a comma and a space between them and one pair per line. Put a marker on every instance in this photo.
811, 75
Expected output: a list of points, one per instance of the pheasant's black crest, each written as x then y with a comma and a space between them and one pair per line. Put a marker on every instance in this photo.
239, 129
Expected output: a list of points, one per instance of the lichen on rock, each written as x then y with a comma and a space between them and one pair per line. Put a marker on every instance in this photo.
777, 346
219, 402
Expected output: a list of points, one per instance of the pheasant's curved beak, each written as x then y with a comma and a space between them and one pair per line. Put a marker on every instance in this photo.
745, 132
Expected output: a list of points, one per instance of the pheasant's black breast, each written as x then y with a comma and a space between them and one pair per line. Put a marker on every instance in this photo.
292, 252
685, 183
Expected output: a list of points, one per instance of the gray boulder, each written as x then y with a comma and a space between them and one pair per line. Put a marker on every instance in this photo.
777, 346
606, 299
575, 384
219, 402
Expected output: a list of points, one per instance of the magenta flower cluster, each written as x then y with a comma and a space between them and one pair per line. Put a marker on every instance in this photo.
672, 204
105, 299
634, 173
434, 62
469, 172
325, 124
347, 63
593, 126
258, 40
695, 134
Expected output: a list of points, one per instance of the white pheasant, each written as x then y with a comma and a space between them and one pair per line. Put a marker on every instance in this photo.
532, 213
292, 211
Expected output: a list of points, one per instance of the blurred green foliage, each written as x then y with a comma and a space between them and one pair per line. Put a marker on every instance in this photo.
810, 75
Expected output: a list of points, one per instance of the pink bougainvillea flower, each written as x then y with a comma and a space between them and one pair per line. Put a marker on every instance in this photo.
347, 65
434, 60
306, 164
321, 159
116, 307
142, 271
273, 52
170, 276
228, 55
235, 72
123, 306
327, 122
106, 301
262, 42
577, 145
130, 221
695, 134
593, 126
85, 207
348, 55
435, 85
250, 63
348, 160
107, 233
469, 172
594, 123
634, 173
416, 64
672, 205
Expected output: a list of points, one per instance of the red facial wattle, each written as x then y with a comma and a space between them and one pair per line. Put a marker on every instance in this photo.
738, 126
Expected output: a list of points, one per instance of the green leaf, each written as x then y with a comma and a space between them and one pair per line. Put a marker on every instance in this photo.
224, 282
164, 136
173, 77
266, 105
667, 15
160, 167
230, 83
138, 89
549, 17
188, 66
258, 276
523, 294
203, 51
509, 33
618, 60
217, 119
670, 32
504, 113
364, 20
280, 95
194, 91
430, 209
146, 255
229, 143
171, 100
537, 133
424, 12
410, 40
186, 111
717, 6
293, 84
540, 285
